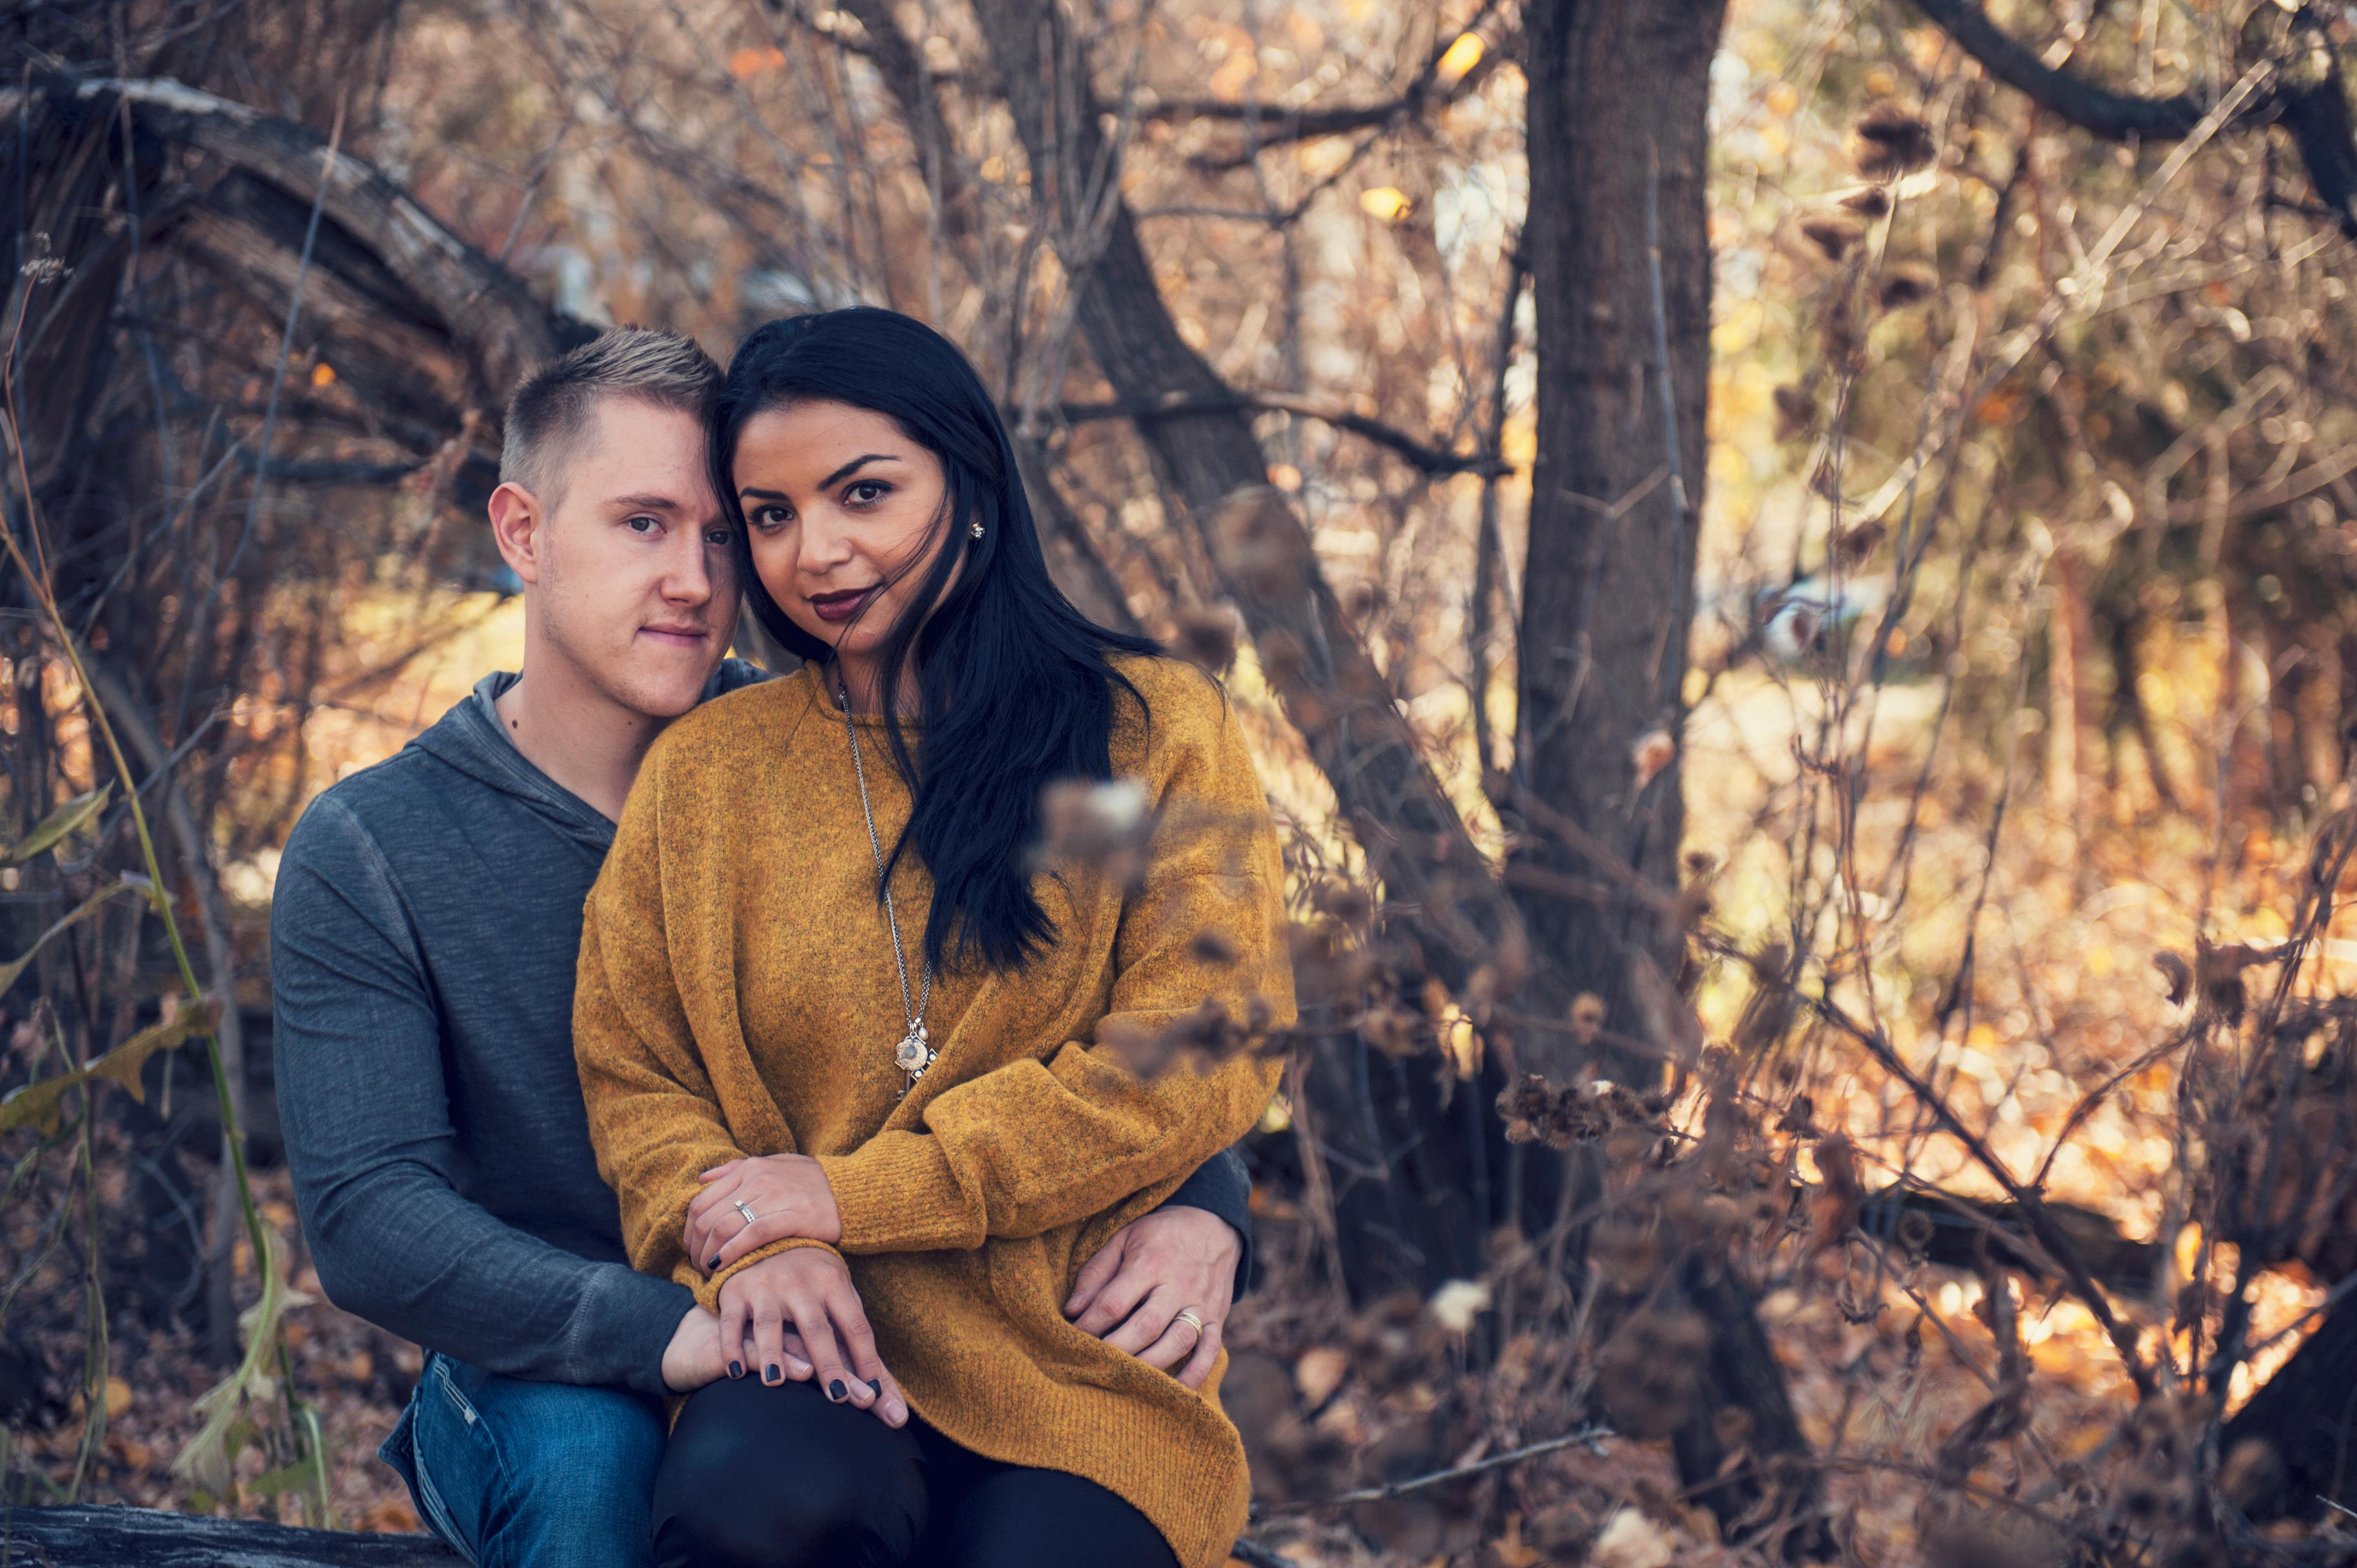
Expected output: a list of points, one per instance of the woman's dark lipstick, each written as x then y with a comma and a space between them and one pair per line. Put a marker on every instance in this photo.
842, 606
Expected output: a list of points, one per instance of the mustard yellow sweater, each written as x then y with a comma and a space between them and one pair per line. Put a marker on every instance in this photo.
737, 997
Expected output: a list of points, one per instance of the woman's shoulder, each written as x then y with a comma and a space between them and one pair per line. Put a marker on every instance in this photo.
1167, 682
1185, 712
718, 733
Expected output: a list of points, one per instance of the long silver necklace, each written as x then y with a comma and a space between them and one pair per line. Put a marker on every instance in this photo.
915, 1052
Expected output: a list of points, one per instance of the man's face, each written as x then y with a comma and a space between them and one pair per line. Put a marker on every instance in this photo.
631, 576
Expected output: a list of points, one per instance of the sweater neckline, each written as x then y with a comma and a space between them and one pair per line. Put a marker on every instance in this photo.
821, 700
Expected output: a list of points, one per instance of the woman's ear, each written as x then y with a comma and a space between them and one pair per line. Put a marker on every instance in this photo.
517, 525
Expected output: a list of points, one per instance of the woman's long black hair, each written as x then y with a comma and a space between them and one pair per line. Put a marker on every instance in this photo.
1015, 688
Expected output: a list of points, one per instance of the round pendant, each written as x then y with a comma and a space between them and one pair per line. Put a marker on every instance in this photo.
911, 1053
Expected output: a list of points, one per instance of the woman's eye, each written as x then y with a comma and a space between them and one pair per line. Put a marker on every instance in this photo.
770, 516
867, 491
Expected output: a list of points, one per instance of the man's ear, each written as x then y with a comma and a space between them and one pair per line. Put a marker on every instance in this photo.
518, 526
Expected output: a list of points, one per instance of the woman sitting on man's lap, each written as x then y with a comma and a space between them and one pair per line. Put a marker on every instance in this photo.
841, 1018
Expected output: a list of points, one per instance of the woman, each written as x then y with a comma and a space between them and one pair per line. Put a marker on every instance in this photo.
846, 1026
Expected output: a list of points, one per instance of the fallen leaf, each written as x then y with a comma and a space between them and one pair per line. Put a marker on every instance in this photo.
1633, 1540
1319, 1373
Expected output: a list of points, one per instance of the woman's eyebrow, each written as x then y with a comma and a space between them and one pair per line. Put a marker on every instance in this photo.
854, 465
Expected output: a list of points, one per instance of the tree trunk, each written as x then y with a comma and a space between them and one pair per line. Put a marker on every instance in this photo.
87, 1537
2306, 1416
1617, 145
1617, 243
1412, 1206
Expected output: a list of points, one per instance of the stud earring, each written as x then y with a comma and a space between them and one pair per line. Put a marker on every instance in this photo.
976, 530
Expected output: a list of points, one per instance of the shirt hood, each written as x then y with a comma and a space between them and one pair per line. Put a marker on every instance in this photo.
470, 739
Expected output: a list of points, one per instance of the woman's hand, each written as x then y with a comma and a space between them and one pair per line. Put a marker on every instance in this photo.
1131, 1293
789, 1197
807, 1292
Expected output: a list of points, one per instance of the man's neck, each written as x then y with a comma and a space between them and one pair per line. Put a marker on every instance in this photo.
578, 736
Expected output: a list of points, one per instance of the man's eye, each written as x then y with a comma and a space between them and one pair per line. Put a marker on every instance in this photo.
642, 524
717, 536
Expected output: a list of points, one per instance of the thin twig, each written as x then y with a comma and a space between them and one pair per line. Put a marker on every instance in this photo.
1588, 1437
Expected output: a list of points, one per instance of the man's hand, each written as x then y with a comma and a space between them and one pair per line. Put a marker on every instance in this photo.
694, 1356
1131, 1293
805, 1298
788, 1194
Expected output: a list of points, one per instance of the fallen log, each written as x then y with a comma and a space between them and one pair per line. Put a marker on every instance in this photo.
2286, 1452
88, 1537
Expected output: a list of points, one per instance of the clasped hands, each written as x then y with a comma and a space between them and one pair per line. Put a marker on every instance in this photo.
797, 1315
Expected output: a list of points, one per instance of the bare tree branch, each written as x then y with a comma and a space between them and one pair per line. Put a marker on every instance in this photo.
2308, 100
1274, 125
483, 305
1421, 454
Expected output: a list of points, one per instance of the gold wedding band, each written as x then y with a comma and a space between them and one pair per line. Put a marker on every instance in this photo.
1186, 1315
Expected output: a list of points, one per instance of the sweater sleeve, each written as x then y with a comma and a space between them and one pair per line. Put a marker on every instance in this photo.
370, 1141
1039, 1143
655, 1119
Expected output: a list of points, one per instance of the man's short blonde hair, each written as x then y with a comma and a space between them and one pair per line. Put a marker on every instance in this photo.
551, 411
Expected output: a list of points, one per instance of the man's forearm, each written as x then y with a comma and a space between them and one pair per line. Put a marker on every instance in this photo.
435, 1269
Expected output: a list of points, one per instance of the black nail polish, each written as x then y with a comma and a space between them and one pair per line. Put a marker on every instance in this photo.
773, 1375
835, 1391
736, 1368
713, 1262
876, 1385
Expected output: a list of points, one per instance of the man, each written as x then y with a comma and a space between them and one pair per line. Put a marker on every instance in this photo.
424, 931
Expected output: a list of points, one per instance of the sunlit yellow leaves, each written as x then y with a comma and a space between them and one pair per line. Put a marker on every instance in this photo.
753, 62
1461, 57
1925, 45
1385, 203
1999, 408
1782, 100
1325, 156
1518, 442
323, 374
1740, 328
1239, 63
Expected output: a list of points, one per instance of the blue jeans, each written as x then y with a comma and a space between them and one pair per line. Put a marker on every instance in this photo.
525, 1474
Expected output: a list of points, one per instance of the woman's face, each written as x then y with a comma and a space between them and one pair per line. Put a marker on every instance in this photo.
843, 515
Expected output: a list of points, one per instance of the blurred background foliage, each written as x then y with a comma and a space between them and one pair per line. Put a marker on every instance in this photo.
1789, 566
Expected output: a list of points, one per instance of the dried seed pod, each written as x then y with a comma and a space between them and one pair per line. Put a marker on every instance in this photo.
1796, 413
1853, 546
1892, 141
1213, 949
1833, 233
1906, 284
1869, 201
1207, 638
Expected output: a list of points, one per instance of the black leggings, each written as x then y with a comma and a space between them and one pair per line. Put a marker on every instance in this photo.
780, 1478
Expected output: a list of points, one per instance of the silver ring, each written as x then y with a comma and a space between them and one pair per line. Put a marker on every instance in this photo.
746, 1210
1186, 1315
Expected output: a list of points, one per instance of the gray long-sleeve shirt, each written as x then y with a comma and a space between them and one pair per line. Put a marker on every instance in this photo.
424, 936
